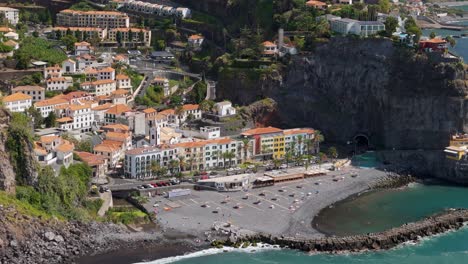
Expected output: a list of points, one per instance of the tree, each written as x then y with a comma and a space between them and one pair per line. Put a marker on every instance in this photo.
182, 163
451, 40
51, 120
332, 152
173, 164
228, 155
318, 138
206, 105
432, 35
321, 158
276, 163
36, 117
391, 24
384, 6
288, 157
245, 146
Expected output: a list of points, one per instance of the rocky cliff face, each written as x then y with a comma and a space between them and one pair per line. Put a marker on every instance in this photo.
7, 175
348, 87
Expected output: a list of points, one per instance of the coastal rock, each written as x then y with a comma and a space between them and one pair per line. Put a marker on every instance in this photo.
49, 236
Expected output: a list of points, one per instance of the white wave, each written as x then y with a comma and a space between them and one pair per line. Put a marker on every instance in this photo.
213, 251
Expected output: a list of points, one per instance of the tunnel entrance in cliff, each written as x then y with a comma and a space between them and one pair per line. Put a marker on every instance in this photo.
361, 144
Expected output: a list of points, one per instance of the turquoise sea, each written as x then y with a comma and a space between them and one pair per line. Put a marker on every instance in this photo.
383, 210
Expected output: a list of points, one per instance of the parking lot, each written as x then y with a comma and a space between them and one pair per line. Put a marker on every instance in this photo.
272, 209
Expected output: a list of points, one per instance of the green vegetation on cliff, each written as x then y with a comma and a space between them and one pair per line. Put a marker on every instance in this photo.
38, 49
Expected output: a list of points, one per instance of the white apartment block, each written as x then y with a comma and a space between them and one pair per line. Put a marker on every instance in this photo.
100, 87
350, 26
138, 161
69, 66
36, 92
156, 9
77, 117
11, 14
82, 48
93, 74
59, 83
100, 19
123, 81
45, 107
17, 102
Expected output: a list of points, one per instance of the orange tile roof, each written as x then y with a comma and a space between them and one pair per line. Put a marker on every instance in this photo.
195, 37
120, 92
167, 112
10, 43
66, 146
77, 29
117, 127
76, 107
188, 107
58, 79
82, 43
65, 119
117, 135
129, 29
90, 158
61, 107
73, 95
106, 147
16, 97
52, 101
261, 130
98, 82
28, 88
121, 77
102, 107
118, 109
48, 139
107, 69
268, 44
113, 13
6, 29
296, 131
315, 3
149, 110
120, 57
434, 40
202, 143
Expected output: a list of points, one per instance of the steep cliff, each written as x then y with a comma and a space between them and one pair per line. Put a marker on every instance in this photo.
7, 175
397, 98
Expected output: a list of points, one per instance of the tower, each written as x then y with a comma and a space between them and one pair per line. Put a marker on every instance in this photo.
155, 135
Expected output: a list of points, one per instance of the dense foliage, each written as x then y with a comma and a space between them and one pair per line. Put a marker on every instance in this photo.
63, 195
38, 49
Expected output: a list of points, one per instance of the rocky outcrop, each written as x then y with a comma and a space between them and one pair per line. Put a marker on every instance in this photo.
7, 175
397, 98
449, 220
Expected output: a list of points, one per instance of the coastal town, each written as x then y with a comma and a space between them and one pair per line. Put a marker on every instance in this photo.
159, 112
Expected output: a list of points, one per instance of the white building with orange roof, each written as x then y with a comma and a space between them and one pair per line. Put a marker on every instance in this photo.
110, 150
100, 19
121, 58
296, 140
116, 112
86, 61
195, 41
36, 92
124, 137
45, 107
59, 83
82, 115
100, 87
54, 150
269, 49
76, 97
99, 112
123, 81
69, 66
121, 128
83, 47
17, 102
119, 96
98, 164
267, 142
93, 74
52, 71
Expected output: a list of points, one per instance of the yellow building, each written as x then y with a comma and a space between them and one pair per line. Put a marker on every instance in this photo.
455, 152
278, 147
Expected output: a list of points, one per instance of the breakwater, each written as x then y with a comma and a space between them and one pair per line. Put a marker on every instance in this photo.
436, 224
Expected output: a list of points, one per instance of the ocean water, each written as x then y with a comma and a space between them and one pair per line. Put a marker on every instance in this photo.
385, 209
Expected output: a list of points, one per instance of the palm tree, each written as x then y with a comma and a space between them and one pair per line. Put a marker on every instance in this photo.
307, 163
288, 156
173, 164
181, 163
318, 138
276, 163
228, 155
245, 146
321, 158
154, 167
308, 143
332, 152
190, 162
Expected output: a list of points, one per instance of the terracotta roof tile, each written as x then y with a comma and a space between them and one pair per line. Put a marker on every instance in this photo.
118, 109
16, 97
261, 130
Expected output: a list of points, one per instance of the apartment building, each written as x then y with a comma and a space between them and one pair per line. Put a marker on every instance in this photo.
54, 150
139, 163
123, 81
100, 19
100, 87
17, 102
84, 33
59, 83
93, 74
45, 107
36, 92
77, 117
10, 14
116, 112
130, 36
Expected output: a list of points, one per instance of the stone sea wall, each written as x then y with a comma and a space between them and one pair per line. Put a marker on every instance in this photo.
448, 220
